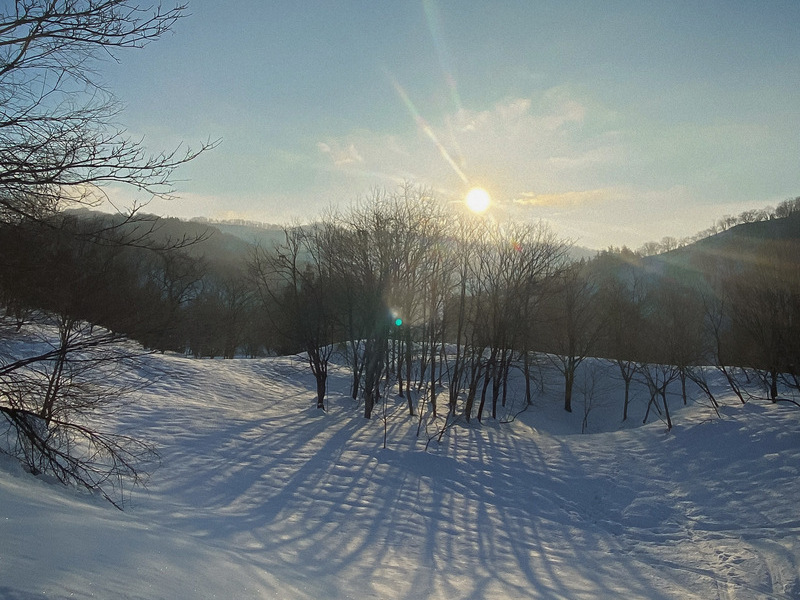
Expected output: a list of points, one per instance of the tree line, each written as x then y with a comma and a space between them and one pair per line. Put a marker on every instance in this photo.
784, 209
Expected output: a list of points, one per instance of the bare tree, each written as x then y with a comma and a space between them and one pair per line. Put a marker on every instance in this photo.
724, 349
621, 298
574, 323
292, 280
673, 332
51, 399
765, 311
57, 372
59, 145
658, 376
58, 139
339, 248
788, 207
372, 229
457, 306
591, 390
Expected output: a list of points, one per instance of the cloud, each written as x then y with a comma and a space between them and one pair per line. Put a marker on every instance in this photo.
498, 118
601, 155
545, 143
340, 154
569, 112
573, 198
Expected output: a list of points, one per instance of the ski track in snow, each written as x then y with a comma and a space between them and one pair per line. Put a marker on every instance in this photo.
261, 495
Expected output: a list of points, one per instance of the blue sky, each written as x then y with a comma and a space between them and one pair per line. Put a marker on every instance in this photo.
617, 122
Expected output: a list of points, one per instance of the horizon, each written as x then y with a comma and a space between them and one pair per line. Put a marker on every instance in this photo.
719, 225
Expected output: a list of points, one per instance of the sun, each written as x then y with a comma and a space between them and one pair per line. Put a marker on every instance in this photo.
478, 200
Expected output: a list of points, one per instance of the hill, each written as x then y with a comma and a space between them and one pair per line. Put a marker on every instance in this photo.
228, 239
259, 495
265, 235
739, 245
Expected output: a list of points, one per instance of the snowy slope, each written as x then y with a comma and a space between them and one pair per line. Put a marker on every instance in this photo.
260, 495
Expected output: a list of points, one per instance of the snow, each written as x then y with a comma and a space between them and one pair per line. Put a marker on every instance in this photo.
260, 495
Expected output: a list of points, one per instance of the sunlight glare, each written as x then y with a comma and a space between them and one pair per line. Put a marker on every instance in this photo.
478, 200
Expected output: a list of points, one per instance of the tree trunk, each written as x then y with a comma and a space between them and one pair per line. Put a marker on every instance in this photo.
408, 362
666, 407
731, 379
369, 402
627, 399
433, 379
321, 381
773, 384
527, 369
397, 353
486, 379
506, 370
683, 386
473, 388
569, 378
649, 404
497, 380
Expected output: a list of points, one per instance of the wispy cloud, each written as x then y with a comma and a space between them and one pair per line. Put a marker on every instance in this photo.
518, 145
340, 154
573, 198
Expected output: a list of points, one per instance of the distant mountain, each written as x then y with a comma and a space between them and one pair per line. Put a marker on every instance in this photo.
206, 240
225, 243
265, 235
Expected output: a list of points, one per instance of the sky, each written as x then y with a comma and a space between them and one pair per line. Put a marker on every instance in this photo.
617, 122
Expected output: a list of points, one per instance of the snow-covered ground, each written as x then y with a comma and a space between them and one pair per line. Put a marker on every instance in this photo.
260, 495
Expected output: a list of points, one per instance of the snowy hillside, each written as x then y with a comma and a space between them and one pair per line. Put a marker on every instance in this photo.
260, 495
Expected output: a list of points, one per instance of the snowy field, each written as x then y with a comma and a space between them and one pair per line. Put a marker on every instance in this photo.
260, 495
